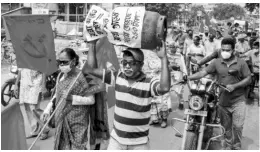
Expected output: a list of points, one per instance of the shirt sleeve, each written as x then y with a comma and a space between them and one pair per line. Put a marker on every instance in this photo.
211, 68
79, 100
154, 86
245, 71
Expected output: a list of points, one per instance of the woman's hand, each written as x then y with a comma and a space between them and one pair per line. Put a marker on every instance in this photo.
64, 94
45, 116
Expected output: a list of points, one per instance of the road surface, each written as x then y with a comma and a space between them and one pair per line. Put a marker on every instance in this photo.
164, 138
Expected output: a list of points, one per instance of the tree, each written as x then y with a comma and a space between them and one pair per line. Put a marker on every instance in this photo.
251, 7
225, 11
170, 10
193, 14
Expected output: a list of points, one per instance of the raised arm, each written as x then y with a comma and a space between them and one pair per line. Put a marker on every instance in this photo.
212, 56
165, 82
90, 67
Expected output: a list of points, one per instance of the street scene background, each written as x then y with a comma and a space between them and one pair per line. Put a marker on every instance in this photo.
68, 28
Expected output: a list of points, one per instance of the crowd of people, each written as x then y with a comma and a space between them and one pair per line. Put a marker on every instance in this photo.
140, 100
213, 54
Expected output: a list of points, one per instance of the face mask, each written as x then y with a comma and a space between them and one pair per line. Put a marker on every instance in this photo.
65, 69
206, 34
225, 55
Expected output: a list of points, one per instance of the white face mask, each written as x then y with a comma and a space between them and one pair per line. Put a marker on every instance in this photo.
225, 55
65, 69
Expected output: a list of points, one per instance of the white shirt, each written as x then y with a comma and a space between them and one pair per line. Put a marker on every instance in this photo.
218, 43
196, 49
242, 47
193, 49
187, 43
210, 47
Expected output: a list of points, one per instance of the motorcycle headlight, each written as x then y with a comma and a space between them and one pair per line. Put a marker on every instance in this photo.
14, 69
194, 86
196, 103
202, 88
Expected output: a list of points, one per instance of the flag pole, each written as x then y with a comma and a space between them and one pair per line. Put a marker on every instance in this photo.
54, 112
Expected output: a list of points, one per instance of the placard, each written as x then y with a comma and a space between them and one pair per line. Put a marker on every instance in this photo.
40, 8
33, 42
124, 26
94, 23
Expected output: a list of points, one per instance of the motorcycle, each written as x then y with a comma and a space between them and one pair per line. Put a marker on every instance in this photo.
201, 114
7, 90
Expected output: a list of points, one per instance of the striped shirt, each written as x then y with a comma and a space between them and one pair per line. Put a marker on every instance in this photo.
132, 109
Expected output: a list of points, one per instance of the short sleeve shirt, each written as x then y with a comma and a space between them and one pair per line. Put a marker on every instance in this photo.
220, 69
132, 108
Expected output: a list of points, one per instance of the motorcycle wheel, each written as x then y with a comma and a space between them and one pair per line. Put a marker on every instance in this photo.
7, 92
191, 141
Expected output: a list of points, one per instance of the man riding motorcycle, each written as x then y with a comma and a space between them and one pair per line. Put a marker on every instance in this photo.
232, 107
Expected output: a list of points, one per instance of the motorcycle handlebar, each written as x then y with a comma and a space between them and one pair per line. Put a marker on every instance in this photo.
188, 82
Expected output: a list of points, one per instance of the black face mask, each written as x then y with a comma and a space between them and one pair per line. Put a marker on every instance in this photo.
190, 34
206, 34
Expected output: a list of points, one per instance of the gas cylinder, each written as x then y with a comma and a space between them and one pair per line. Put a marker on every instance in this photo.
154, 30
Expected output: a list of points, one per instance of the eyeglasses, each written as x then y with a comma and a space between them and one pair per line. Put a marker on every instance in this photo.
63, 62
131, 63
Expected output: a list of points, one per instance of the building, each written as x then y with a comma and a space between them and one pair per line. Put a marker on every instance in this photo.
68, 16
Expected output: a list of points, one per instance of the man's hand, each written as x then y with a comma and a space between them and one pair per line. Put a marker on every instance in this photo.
230, 87
161, 52
16, 91
196, 67
185, 78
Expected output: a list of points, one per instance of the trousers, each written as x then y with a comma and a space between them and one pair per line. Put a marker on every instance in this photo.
115, 145
232, 119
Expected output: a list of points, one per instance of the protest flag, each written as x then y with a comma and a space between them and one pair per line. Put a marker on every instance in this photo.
33, 42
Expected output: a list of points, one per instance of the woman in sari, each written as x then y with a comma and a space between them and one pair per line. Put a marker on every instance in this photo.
72, 115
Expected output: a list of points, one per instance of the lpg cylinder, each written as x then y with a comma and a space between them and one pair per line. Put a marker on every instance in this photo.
154, 30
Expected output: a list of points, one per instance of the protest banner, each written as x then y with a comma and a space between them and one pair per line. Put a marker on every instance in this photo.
12, 128
33, 42
40, 8
124, 26
94, 23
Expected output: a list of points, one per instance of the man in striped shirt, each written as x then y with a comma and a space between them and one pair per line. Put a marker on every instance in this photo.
133, 90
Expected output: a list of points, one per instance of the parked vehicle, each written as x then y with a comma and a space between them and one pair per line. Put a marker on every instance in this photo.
7, 91
201, 115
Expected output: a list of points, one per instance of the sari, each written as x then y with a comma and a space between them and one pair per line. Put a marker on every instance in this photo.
71, 121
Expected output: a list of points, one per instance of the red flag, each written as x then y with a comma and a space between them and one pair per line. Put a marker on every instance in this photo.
33, 42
